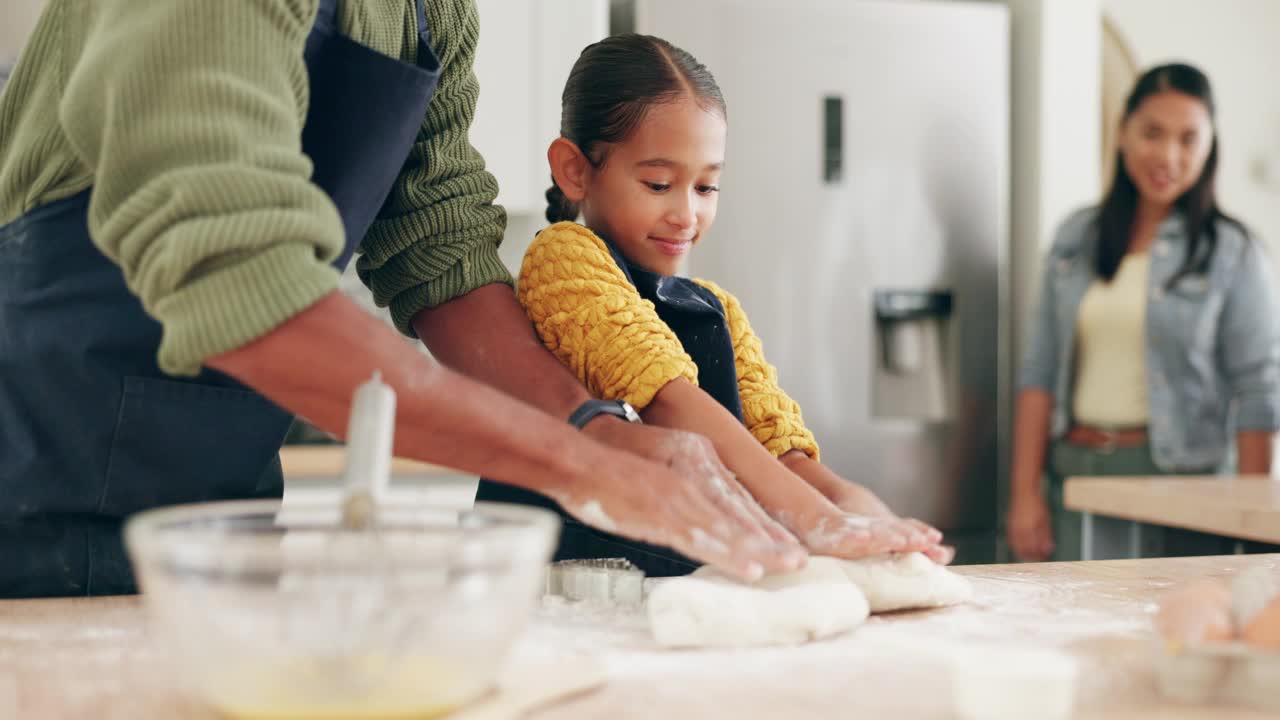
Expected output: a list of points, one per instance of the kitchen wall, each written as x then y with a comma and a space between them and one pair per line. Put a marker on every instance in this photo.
1234, 42
1056, 91
17, 18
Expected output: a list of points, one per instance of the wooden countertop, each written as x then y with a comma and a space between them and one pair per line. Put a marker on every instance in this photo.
328, 461
80, 658
1245, 507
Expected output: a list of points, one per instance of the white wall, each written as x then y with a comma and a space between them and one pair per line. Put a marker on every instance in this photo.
1056, 103
17, 19
1235, 43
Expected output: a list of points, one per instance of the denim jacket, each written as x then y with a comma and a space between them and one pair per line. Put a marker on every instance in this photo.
1212, 341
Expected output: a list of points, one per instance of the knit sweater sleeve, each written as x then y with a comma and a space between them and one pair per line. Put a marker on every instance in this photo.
770, 414
438, 233
189, 114
592, 318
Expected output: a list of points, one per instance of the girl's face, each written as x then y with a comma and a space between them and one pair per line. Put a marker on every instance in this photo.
655, 195
1165, 143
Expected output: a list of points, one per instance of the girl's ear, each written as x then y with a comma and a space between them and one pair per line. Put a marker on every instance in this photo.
569, 167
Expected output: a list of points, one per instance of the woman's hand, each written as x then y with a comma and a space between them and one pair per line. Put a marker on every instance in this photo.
1030, 527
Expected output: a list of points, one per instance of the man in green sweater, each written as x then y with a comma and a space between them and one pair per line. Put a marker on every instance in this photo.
180, 184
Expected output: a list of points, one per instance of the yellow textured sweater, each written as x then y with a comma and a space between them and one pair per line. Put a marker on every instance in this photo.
594, 320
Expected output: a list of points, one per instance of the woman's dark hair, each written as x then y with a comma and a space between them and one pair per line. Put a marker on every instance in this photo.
611, 87
1199, 204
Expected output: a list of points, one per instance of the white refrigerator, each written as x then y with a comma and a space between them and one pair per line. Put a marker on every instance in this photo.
863, 223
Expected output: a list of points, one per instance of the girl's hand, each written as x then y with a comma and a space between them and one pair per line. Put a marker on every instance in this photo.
826, 529
856, 499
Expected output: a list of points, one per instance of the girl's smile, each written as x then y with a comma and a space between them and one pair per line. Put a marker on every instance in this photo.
654, 194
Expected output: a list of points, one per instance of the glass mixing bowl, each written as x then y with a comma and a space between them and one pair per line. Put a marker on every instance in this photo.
269, 617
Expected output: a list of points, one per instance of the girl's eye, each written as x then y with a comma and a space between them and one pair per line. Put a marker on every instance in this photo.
708, 189
658, 187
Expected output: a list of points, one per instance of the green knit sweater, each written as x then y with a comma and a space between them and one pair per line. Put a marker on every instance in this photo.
186, 115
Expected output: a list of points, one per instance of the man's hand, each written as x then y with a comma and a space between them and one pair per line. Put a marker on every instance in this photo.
445, 418
672, 490
694, 458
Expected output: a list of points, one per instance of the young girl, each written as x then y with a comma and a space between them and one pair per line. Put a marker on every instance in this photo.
639, 158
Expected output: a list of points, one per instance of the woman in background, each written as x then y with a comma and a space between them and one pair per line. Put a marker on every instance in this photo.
1155, 348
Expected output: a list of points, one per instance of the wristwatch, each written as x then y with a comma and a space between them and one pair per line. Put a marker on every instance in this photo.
591, 408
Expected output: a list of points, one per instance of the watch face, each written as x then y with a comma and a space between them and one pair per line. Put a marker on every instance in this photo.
629, 412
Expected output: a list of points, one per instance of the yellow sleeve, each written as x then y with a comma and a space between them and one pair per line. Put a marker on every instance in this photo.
770, 414
592, 318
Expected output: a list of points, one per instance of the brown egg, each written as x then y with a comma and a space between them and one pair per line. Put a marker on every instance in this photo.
1195, 614
1264, 630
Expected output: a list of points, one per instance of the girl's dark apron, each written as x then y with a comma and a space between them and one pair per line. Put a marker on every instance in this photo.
697, 318
90, 429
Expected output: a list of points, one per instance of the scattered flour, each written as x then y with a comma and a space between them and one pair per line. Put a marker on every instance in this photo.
592, 513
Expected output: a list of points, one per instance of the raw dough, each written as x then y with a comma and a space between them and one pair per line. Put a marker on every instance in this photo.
828, 596
708, 609
899, 582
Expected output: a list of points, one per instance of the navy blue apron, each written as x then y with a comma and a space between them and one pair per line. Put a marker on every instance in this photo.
697, 318
91, 430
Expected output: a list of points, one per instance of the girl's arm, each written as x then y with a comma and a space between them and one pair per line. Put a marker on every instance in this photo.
773, 419
591, 318
822, 526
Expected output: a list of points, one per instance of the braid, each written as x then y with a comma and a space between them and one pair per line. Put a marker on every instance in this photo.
559, 207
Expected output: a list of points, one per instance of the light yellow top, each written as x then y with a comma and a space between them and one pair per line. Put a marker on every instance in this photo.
1111, 378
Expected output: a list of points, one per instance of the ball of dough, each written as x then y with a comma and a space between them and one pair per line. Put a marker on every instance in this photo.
906, 581
1195, 614
708, 609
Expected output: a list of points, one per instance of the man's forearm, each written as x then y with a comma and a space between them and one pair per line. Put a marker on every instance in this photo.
312, 364
486, 335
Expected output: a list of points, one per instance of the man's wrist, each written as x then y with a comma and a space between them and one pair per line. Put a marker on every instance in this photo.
611, 431
591, 409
